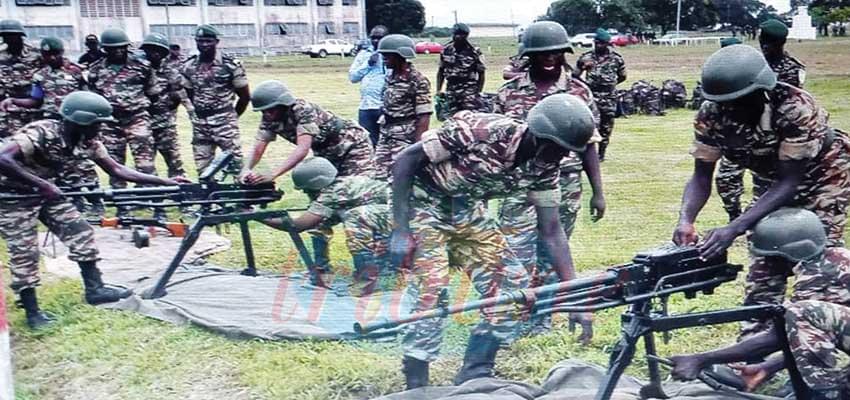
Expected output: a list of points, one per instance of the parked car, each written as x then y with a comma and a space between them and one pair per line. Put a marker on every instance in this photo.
669, 38
582, 40
429, 48
624, 40
329, 46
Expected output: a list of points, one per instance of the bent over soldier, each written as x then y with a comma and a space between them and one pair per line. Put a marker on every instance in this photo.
462, 68
18, 62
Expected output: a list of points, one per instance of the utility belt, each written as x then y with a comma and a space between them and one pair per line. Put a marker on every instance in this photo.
388, 120
209, 112
461, 79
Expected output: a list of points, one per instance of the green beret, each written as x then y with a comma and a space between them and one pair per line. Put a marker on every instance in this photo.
208, 31
51, 44
460, 27
774, 28
729, 41
602, 35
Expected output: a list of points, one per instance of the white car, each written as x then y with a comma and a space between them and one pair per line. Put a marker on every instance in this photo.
329, 46
582, 40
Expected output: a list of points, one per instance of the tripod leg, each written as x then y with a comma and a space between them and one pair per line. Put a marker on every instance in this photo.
653, 390
187, 243
621, 357
251, 270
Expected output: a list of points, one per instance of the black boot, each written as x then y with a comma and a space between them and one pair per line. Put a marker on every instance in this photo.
96, 293
321, 252
365, 278
480, 358
603, 147
415, 372
35, 318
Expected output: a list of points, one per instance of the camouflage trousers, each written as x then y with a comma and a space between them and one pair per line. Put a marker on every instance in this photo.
367, 235
135, 133
12, 121
206, 137
351, 158
607, 104
463, 95
394, 138
462, 231
18, 227
164, 131
819, 335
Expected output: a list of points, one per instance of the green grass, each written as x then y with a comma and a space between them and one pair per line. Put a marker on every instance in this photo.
101, 354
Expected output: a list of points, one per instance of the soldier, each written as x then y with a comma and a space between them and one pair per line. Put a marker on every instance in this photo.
58, 78
211, 79
438, 214
544, 43
18, 62
30, 159
407, 103
94, 52
778, 132
125, 81
345, 144
817, 317
772, 42
175, 55
369, 70
462, 69
603, 69
359, 202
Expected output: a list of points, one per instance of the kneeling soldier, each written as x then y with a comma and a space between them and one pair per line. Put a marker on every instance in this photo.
33, 158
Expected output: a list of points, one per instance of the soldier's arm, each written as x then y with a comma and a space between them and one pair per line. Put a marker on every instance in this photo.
590, 164
481, 79
696, 194
256, 154
360, 67
303, 222
243, 95
555, 240
423, 106
409, 162
687, 367
9, 166
303, 143
113, 168
621, 72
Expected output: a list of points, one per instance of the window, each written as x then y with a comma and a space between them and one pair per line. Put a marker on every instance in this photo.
325, 2
230, 3
109, 8
178, 30
171, 2
326, 28
287, 29
350, 28
43, 2
349, 2
43, 31
285, 2
244, 31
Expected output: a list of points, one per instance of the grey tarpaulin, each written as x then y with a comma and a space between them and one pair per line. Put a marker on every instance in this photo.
567, 380
269, 306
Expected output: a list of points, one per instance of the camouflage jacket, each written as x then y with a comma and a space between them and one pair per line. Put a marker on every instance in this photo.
463, 64
789, 70
56, 83
407, 94
167, 91
45, 152
212, 87
331, 136
826, 278
792, 127
16, 72
347, 193
516, 98
126, 86
474, 155
603, 71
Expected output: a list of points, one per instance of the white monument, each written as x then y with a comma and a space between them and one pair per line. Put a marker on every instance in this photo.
801, 25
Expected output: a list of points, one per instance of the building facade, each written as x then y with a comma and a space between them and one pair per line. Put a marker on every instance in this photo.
247, 26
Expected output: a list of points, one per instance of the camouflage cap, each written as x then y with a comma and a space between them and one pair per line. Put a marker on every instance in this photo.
602, 35
729, 41
460, 27
51, 44
207, 31
774, 28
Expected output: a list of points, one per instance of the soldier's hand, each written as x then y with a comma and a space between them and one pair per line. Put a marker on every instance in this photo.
597, 207
717, 241
685, 235
585, 320
753, 375
402, 246
687, 368
8, 105
179, 180
374, 59
254, 178
50, 192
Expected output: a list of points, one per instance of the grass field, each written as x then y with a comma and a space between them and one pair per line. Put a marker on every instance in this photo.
100, 354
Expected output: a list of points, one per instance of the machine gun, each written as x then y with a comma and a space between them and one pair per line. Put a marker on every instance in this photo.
644, 285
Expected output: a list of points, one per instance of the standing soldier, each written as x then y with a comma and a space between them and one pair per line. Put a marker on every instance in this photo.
544, 43
94, 52
212, 79
407, 103
18, 62
604, 69
175, 55
369, 70
462, 68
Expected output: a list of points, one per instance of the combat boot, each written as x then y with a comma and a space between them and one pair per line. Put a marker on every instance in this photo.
415, 372
602, 148
36, 319
480, 358
96, 292
321, 251
365, 277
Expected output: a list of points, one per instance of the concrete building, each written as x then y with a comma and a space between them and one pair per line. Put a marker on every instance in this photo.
492, 30
247, 26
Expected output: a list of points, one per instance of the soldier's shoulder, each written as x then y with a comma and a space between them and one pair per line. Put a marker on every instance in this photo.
577, 82
418, 75
230, 60
511, 84
138, 60
616, 55
795, 61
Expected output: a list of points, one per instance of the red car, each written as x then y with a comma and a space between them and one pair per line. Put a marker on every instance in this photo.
429, 48
624, 40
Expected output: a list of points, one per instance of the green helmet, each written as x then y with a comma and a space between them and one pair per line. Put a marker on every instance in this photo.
11, 26
735, 71
398, 44
793, 233
544, 36
313, 174
85, 108
269, 94
51, 44
563, 119
156, 40
114, 37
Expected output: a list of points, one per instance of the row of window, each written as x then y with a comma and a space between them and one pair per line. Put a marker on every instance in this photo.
105, 4
248, 30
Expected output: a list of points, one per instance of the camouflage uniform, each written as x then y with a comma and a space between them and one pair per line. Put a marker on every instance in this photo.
44, 149
793, 127
789, 70
819, 335
406, 97
127, 88
213, 89
516, 65
15, 80
461, 69
603, 74
168, 87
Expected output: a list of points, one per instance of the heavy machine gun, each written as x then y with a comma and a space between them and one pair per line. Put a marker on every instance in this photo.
643, 285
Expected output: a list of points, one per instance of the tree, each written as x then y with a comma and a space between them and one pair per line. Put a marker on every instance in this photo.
400, 16
695, 14
623, 15
576, 15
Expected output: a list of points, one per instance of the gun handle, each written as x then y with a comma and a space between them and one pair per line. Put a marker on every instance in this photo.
109, 222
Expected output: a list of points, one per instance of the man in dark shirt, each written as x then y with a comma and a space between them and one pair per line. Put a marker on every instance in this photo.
94, 52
